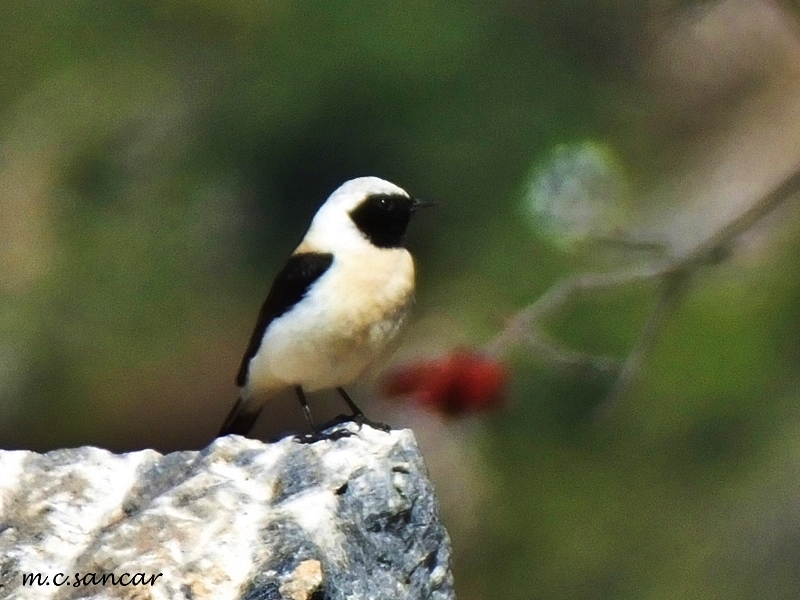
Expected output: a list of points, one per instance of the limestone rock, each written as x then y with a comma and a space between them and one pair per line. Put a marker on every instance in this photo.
351, 519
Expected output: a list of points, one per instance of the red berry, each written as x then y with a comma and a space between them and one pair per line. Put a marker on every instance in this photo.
462, 382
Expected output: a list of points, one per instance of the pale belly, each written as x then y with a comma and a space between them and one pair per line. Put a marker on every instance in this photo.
322, 344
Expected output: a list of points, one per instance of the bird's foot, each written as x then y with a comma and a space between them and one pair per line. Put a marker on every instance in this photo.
360, 419
320, 436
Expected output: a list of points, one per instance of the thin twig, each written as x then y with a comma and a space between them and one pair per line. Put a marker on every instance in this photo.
670, 294
566, 358
717, 242
528, 318
674, 274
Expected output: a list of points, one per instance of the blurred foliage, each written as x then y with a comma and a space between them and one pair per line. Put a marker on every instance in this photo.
158, 161
578, 194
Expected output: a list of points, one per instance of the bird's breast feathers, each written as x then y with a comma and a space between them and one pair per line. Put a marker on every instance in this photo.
344, 322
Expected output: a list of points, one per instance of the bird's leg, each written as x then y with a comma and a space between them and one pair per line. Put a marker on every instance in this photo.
315, 435
358, 415
357, 412
298, 389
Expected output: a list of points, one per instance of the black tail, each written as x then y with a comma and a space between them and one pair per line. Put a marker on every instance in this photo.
241, 419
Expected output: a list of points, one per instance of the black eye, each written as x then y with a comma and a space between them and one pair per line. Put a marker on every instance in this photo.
384, 202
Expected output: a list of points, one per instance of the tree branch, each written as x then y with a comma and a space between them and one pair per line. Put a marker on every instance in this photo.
674, 275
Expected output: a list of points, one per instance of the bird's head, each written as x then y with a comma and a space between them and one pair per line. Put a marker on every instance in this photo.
366, 210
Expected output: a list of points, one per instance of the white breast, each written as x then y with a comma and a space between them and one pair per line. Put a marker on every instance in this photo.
344, 323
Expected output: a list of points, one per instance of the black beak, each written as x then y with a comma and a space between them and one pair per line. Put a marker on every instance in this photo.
418, 203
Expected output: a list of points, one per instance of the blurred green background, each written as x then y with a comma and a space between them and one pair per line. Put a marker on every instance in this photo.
160, 159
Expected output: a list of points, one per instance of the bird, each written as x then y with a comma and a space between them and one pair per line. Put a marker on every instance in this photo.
338, 303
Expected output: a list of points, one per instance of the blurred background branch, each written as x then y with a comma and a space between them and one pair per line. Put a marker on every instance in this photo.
674, 275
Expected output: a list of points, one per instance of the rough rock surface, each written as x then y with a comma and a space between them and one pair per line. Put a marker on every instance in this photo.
349, 519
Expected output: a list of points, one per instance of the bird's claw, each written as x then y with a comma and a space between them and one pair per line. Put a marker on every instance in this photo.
360, 419
320, 436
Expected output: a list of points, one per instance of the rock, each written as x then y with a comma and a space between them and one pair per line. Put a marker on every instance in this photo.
351, 519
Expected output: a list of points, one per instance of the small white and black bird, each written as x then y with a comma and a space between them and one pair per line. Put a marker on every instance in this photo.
337, 304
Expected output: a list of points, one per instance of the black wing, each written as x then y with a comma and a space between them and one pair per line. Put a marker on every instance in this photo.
289, 287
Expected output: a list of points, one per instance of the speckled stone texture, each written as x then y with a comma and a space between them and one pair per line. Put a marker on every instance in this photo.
350, 519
